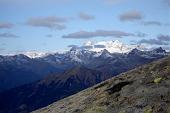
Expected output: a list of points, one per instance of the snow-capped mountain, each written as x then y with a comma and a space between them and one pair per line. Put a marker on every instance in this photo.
111, 46
19, 58
88, 48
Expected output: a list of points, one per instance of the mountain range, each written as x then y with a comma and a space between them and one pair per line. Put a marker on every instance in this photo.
111, 46
20, 69
71, 72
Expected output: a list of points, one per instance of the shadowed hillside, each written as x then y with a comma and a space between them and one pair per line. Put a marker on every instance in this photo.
143, 90
48, 90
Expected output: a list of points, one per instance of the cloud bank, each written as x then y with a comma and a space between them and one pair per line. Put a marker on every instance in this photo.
97, 33
6, 25
152, 23
8, 35
85, 16
167, 2
159, 40
51, 22
131, 16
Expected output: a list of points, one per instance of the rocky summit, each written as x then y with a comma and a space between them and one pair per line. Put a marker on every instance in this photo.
145, 89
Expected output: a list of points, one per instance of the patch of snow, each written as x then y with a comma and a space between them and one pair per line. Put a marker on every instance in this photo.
88, 43
34, 54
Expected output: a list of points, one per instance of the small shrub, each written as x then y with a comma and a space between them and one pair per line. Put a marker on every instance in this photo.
148, 110
157, 80
122, 111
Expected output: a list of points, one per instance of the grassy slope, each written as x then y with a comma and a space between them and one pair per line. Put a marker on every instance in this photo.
143, 90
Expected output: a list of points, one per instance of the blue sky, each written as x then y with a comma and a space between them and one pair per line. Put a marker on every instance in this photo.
52, 25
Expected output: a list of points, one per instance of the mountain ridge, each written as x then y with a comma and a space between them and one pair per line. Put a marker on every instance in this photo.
21, 66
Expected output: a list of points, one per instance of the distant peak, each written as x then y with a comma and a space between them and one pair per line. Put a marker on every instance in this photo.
106, 54
159, 50
73, 49
134, 51
105, 51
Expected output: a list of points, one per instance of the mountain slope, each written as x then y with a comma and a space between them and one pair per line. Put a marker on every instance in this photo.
145, 89
20, 69
50, 89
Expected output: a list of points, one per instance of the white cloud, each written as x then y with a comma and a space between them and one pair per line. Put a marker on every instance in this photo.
6, 25
85, 16
8, 35
51, 22
131, 16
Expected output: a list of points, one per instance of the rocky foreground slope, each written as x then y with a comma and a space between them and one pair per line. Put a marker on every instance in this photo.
143, 90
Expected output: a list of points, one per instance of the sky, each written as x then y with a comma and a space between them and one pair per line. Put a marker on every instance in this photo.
53, 25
